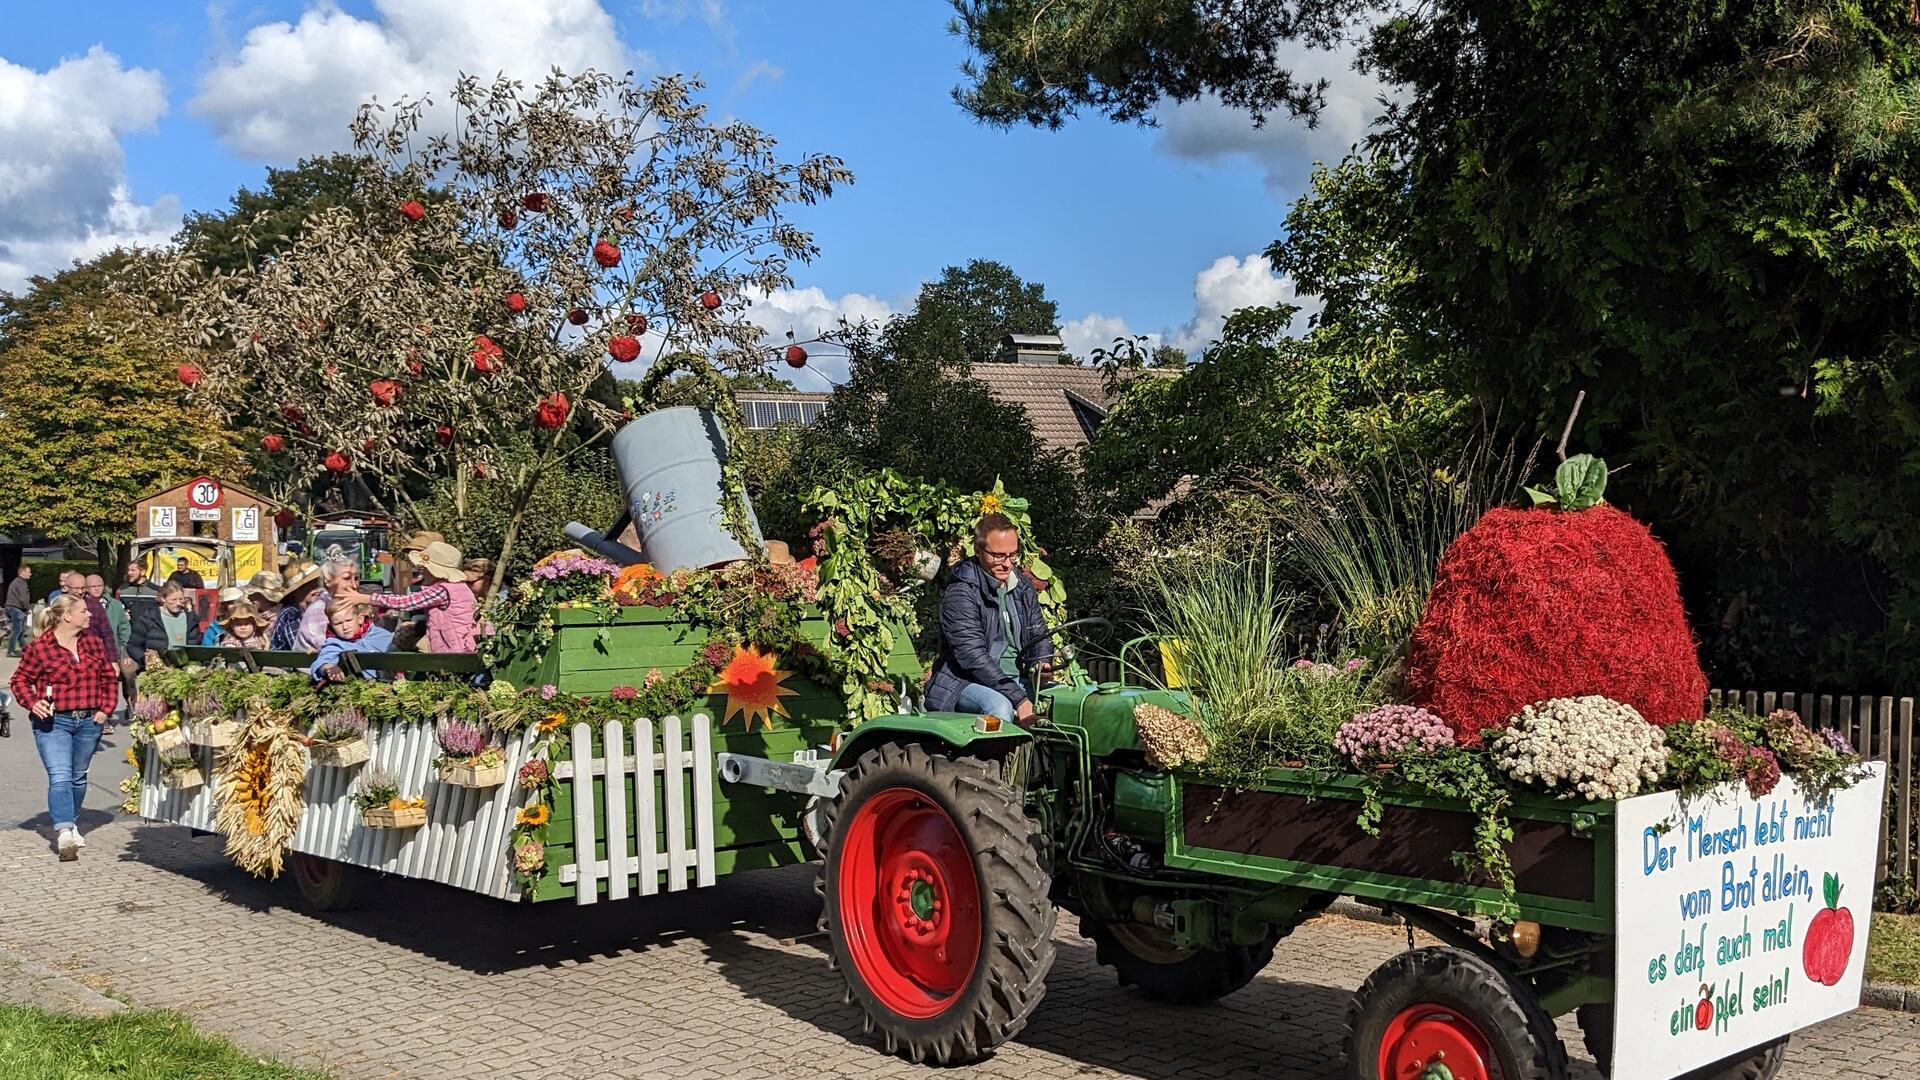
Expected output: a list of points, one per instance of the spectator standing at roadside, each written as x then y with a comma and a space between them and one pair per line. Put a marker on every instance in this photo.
70, 583
69, 689
122, 626
19, 602
139, 590
100, 624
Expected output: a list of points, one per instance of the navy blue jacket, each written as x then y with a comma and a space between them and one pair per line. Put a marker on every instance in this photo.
973, 637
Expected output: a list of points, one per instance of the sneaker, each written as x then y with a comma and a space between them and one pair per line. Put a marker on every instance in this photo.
79, 840
69, 845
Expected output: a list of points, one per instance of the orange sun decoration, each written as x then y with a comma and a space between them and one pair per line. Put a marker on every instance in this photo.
754, 685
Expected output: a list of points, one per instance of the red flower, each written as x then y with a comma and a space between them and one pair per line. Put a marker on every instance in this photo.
486, 353
284, 519
412, 210
710, 300
273, 444
637, 324
606, 254
338, 461
552, 411
577, 316
796, 356
516, 303
188, 374
624, 348
535, 201
384, 391
623, 693
508, 219
443, 435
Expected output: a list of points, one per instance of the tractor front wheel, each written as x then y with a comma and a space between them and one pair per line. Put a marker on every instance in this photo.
1446, 1013
1146, 957
935, 902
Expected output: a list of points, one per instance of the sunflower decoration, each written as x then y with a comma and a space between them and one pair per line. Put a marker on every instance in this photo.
551, 722
754, 686
533, 816
991, 503
260, 789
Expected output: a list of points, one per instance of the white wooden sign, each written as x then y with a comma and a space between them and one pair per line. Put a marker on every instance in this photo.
162, 521
1737, 920
246, 523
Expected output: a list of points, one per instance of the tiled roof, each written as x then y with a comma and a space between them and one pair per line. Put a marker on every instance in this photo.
1063, 401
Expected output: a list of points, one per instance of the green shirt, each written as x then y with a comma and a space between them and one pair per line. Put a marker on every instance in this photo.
1010, 659
176, 626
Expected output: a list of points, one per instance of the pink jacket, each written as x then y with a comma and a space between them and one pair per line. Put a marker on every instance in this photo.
450, 613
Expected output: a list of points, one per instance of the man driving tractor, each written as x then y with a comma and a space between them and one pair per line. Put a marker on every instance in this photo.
992, 634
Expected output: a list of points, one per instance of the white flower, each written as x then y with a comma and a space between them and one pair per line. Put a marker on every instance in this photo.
1588, 746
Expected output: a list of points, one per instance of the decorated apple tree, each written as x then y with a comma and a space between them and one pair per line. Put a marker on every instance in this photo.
486, 276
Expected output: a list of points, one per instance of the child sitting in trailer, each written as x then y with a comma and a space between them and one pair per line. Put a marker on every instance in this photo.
351, 629
243, 629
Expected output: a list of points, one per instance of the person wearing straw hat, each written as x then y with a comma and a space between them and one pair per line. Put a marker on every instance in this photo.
301, 582
216, 626
244, 629
263, 593
446, 598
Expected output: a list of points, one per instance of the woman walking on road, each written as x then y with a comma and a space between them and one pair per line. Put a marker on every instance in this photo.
69, 688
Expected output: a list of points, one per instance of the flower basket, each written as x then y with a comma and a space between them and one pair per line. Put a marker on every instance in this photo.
340, 755
182, 779
171, 742
386, 817
461, 774
215, 733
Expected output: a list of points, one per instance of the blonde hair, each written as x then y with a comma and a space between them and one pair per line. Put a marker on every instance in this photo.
51, 615
337, 606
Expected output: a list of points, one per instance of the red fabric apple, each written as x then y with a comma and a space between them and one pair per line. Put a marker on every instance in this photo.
606, 254
535, 201
710, 300
188, 374
577, 316
508, 219
624, 348
384, 391
293, 414
283, 519
637, 324
796, 356
443, 435
339, 462
516, 303
486, 353
273, 444
412, 210
552, 411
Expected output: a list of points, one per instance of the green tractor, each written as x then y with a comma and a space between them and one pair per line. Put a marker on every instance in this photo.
952, 842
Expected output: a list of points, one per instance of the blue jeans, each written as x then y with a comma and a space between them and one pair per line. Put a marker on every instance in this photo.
16, 629
66, 742
985, 701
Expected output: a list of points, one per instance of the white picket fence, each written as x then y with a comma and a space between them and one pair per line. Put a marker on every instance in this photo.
635, 857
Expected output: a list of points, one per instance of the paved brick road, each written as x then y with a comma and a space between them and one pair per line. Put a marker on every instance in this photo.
425, 981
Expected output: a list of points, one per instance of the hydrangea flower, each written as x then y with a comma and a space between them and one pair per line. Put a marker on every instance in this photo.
623, 693
1383, 733
534, 773
547, 691
571, 565
1591, 747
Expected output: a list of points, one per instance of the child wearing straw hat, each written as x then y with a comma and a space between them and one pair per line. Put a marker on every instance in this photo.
244, 630
446, 598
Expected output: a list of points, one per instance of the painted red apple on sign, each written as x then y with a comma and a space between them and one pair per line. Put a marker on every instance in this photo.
1829, 943
1703, 1012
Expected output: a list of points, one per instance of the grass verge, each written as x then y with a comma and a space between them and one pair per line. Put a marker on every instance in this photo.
1893, 950
136, 1044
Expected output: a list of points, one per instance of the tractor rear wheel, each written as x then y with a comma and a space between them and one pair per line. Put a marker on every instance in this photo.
325, 884
1440, 1011
1146, 957
1760, 1063
935, 902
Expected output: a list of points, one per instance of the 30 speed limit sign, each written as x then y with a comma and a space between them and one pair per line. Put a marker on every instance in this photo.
204, 493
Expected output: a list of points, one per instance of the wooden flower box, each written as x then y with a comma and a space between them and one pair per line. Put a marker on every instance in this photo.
386, 817
182, 779
216, 733
340, 755
171, 743
461, 774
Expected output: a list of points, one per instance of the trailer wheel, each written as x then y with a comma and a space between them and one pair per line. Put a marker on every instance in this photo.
324, 884
1146, 957
1440, 1012
935, 903
1760, 1063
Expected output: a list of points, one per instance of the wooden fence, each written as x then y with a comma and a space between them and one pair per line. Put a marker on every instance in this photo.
1881, 728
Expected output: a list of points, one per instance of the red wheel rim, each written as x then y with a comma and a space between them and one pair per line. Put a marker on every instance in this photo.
909, 901
1431, 1042
310, 872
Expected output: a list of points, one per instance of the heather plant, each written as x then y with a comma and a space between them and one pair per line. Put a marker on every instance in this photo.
340, 725
149, 707
460, 739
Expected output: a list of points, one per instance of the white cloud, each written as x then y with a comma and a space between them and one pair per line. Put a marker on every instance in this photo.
1097, 331
1284, 148
63, 175
1224, 287
290, 89
809, 313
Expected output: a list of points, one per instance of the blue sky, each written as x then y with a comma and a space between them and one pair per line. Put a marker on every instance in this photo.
115, 117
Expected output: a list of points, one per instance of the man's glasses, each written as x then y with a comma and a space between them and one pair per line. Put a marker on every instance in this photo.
1000, 556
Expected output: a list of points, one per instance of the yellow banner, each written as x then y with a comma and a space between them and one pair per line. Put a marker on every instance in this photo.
248, 560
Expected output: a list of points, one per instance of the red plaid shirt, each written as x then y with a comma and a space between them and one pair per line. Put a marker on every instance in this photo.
88, 684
